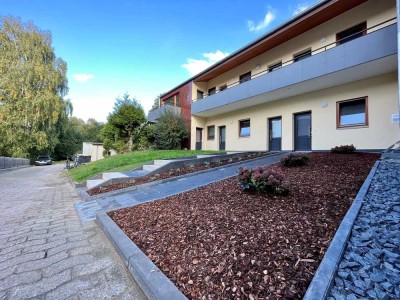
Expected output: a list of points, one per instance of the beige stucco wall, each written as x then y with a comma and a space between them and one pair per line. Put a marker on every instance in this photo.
379, 134
373, 11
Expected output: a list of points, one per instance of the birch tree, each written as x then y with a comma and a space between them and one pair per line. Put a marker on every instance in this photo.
32, 86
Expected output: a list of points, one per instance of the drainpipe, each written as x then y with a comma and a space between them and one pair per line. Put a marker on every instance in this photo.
398, 48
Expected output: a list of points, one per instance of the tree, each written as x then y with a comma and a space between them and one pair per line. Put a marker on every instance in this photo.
124, 123
171, 130
32, 86
156, 102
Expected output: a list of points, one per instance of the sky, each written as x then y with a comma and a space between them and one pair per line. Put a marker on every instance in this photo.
144, 47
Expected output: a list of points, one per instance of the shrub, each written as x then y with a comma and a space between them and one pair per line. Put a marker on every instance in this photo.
295, 160
170, 131
263, 180
344, 149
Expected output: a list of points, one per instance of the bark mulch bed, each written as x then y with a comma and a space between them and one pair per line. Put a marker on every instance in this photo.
172, 173
218, 242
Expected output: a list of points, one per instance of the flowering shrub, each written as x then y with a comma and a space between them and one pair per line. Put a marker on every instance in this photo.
344, 149
263, 180
295, 160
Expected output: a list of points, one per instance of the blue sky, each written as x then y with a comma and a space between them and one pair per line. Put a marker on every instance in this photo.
144, 47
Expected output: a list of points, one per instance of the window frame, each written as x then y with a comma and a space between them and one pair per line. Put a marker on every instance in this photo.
209, 138
199, 92
301, 55
223, 87
212, 91
240, 128
245, 77
356, 125
343, 41
274, 67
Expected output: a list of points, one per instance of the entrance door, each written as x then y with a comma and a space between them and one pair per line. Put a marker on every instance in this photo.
222, 137
275, 134
199, 138
302, 129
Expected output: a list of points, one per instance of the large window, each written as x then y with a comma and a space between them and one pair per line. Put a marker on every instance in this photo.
351, 33
245, 77
275, 67
200, 94
212, 91
244, 128
302, 55
210, 132
352, 113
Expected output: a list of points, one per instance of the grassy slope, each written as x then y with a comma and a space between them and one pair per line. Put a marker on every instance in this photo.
126, 162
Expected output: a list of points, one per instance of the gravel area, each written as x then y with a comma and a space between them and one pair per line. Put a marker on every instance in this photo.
370, 268
218, 242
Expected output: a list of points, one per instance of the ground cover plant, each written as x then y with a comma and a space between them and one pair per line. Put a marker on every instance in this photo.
128, 161
172, 173
295, 160
344, 149
220, 242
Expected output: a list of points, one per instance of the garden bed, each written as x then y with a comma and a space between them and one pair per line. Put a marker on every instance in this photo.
218, 242
172, 173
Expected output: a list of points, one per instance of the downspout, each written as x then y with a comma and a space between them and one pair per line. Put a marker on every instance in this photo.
398, 48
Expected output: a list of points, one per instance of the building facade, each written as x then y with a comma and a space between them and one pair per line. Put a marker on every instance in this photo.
326, 77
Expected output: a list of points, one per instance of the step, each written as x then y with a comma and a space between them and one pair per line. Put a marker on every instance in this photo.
113, 175
205, 155
93, 183
150, 167
136, 173
161, 162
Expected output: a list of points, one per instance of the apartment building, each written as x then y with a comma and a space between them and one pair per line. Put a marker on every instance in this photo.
326, 77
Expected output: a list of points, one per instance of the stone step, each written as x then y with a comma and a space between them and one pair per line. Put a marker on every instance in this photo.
161, 162
112, 175
93, 183
204, 156
150, 167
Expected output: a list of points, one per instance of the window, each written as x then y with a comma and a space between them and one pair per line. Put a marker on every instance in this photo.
212, 91
200, 94
245, 77
302, 55
351, 33
244, 128
210, 132
169, 101
352, 113
223, 87
275, 67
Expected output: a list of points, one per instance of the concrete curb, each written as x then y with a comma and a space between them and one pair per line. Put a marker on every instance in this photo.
86, 197
153, 283
325, 274
15, 168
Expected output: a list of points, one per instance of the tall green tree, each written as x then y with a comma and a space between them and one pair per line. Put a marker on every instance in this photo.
124, 124
33, 83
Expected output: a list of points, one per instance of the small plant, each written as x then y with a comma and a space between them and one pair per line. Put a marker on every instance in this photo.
207, 164
295, 160
263, 180
344, 149
155, 177
218, 163
191, 167
230, 160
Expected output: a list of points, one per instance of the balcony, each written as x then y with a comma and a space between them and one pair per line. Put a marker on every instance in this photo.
371, 55
156, 113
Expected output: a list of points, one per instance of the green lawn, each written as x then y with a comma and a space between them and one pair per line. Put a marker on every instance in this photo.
126, 162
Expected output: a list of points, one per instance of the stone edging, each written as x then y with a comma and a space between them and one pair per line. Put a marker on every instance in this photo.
86, 197
153, 282
325, 274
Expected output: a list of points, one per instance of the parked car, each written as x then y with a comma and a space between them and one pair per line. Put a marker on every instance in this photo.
43, 160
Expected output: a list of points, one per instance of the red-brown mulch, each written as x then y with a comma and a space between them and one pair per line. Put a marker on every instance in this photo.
218, 242
172, 173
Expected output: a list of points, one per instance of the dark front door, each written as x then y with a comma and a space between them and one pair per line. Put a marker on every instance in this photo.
199, 138
222, 137
302, 132
275, 134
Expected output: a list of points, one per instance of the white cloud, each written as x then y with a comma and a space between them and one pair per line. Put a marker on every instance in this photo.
83, 77
269, 17
195, 66
300, 7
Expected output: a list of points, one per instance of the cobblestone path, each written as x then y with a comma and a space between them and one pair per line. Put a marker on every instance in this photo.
45, 251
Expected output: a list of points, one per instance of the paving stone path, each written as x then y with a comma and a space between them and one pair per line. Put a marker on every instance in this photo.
87, 210
45, 251
370, 268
